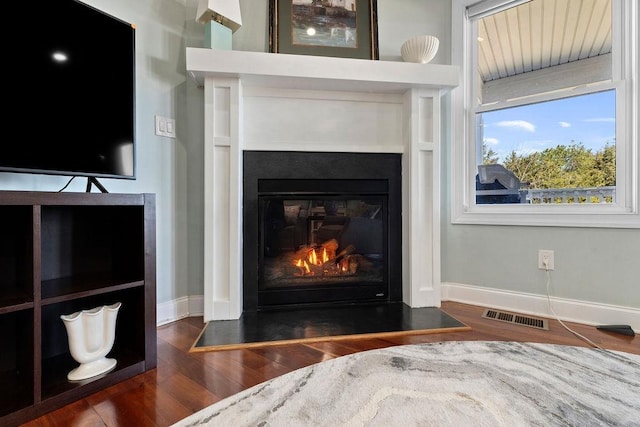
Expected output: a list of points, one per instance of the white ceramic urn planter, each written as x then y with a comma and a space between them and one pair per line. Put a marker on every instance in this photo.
91, 336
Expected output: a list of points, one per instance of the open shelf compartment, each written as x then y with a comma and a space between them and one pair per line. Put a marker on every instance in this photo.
90, 248
16, 258
16, 361
128, 348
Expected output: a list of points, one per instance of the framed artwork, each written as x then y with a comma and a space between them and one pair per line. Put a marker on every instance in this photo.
340, 28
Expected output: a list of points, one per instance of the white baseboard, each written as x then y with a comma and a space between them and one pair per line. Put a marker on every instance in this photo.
180, 308
584, 312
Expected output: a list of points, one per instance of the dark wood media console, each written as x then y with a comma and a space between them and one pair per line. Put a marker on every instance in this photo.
61, 253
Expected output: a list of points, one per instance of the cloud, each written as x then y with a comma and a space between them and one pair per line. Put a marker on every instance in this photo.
491, 141
564, 124
519, 124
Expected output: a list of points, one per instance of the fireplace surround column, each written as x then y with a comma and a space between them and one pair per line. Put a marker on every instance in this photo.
223, 199
421, 198
277, 102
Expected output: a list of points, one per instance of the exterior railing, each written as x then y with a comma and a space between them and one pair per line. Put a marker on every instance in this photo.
570, 195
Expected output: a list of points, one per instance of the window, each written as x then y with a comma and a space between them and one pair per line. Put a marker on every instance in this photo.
545, 121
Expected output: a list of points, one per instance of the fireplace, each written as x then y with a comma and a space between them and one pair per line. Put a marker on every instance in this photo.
261, 102
321, 228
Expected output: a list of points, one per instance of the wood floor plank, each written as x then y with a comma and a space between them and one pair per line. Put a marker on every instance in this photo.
139, 407
185, 382
78, 413
298, 356
124, 387
181, 334
332, 349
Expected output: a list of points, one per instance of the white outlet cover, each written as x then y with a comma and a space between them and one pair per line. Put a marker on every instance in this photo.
541, 255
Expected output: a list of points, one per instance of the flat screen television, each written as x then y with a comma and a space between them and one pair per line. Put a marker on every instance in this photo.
73, 100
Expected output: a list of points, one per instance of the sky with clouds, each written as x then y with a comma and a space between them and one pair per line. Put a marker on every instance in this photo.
589, 119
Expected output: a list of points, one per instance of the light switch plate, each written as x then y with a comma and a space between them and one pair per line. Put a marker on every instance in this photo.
165, 127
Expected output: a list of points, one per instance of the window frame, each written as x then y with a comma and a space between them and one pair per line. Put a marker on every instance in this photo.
625, 212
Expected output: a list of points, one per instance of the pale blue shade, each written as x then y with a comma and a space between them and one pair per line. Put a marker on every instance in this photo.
217, 36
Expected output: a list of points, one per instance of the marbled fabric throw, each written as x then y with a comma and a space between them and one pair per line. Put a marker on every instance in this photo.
470, 383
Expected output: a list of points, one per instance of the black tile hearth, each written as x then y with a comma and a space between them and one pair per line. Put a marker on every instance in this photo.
264, 328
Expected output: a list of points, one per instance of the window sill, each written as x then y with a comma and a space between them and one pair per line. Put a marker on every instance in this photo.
609, 216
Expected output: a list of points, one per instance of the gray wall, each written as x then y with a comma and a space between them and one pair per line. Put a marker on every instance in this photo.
591, 264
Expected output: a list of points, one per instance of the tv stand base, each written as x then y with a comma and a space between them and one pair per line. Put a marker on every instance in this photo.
92, 180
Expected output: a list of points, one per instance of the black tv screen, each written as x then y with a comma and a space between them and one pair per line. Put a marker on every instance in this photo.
75, 90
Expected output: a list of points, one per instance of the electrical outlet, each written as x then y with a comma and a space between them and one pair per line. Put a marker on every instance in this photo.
545, 259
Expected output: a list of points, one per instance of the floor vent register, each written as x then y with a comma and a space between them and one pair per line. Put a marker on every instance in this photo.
518, 319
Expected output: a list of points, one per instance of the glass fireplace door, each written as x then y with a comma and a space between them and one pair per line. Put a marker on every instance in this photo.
319, 248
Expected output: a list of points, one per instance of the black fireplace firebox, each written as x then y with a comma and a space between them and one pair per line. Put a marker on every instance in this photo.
321, 229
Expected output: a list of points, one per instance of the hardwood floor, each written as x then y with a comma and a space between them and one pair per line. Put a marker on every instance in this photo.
185, 382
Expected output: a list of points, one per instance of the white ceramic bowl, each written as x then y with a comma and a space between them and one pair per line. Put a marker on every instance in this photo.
420, 49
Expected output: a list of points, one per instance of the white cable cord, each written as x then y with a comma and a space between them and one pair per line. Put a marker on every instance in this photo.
561, 322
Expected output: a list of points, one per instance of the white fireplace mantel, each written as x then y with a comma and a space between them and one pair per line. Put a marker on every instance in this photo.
280, 102
317, 72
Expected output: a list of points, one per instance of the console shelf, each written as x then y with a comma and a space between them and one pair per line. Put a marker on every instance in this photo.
61, 253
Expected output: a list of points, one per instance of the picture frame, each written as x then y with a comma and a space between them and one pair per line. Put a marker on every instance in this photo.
338, 28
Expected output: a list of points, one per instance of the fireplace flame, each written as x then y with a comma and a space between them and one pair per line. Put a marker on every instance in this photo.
317, 257
325, 260
304, 267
